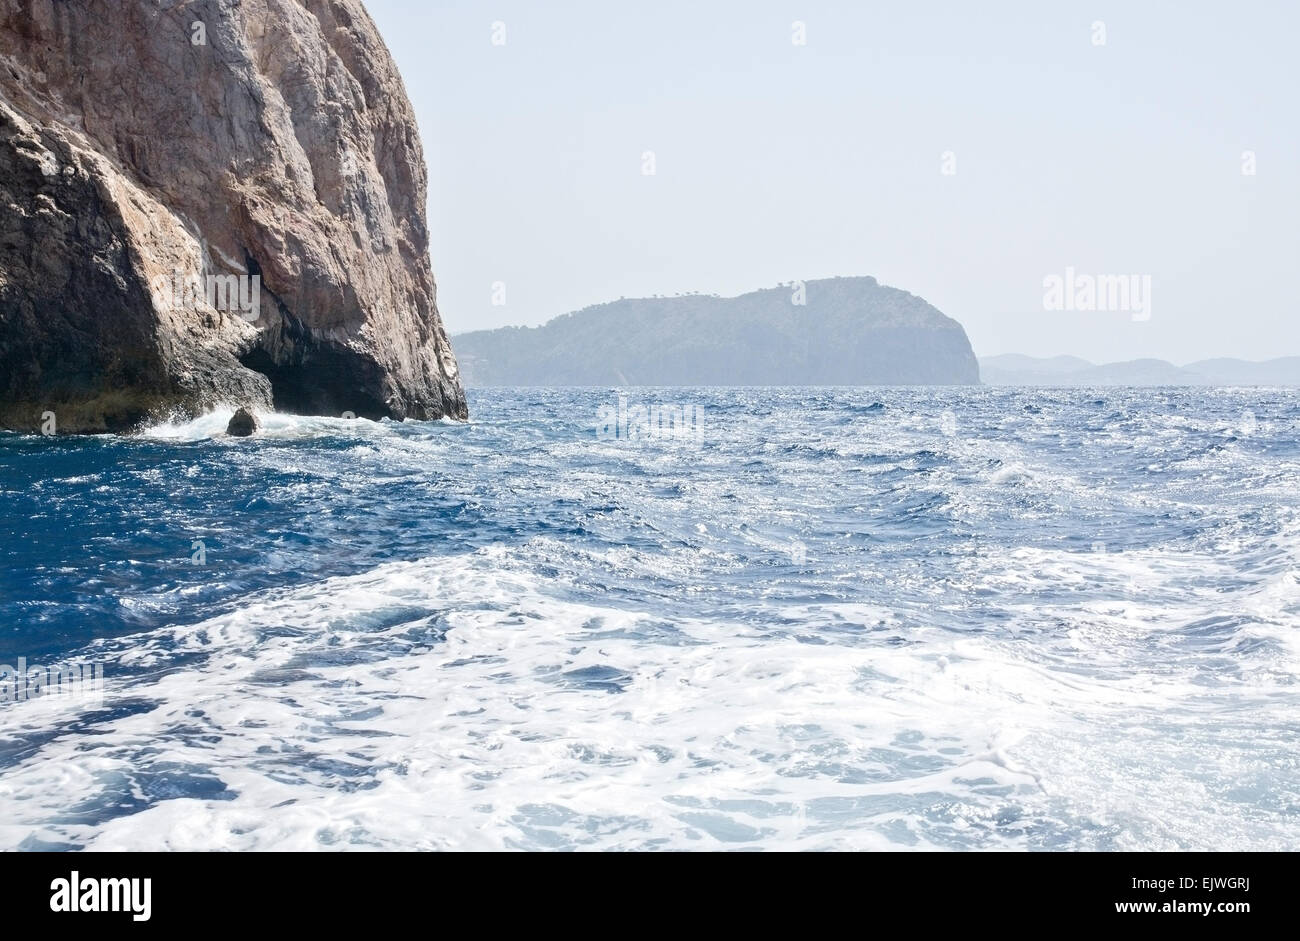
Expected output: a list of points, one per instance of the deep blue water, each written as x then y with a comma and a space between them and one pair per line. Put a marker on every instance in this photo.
962, 618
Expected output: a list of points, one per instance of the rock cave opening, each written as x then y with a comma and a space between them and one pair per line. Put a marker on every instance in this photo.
323, 382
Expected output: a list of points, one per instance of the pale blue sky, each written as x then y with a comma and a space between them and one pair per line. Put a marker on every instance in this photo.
778, 162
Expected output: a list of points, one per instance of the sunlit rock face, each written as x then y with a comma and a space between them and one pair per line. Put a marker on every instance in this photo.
211, 203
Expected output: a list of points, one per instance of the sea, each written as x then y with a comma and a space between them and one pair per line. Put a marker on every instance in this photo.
966, 618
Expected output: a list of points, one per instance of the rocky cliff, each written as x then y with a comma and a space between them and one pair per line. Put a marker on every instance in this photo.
217, 201
836, 331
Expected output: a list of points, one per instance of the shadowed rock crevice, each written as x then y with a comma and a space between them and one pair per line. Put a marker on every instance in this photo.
323, 381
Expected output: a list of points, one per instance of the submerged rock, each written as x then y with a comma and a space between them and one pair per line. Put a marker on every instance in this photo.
242, 424
211, 201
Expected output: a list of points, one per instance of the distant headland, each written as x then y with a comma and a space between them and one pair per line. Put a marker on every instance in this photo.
835, 331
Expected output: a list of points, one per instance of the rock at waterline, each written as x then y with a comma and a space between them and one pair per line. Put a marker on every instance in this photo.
294, 200
242, 424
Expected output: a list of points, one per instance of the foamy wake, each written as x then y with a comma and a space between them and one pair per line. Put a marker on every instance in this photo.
455, 703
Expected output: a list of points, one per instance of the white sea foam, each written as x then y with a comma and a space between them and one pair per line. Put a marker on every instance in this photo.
336, 715
1072, 628
212, 424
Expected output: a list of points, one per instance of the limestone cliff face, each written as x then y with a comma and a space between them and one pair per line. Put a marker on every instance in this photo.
207, 202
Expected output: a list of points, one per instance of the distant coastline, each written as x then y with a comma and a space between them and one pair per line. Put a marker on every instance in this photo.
834, 331
1014, 369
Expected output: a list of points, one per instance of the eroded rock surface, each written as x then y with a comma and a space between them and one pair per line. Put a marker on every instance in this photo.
211, 202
